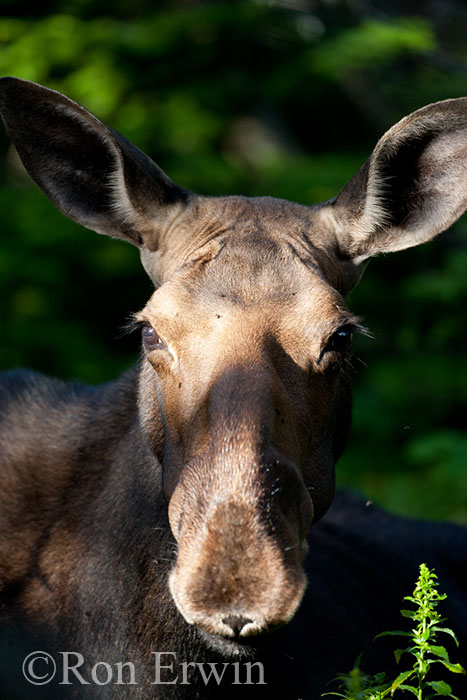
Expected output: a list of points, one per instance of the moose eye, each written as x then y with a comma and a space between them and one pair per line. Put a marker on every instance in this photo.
341, 340
150, 338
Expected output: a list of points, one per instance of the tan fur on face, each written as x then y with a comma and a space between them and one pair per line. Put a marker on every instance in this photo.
247, 406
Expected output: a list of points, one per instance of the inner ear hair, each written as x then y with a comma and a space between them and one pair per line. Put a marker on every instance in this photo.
411, 188
90, 172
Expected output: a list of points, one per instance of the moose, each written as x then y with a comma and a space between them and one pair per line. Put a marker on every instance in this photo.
175, 533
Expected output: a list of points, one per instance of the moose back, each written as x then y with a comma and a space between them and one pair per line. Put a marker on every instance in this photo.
155, 531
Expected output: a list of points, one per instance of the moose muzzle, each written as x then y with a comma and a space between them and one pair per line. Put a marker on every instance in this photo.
241, 524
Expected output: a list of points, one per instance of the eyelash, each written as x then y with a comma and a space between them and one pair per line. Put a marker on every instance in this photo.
140, 326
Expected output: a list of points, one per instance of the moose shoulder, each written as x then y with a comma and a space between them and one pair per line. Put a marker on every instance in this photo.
162, 522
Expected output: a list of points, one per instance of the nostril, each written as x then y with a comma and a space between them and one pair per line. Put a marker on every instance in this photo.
236, 623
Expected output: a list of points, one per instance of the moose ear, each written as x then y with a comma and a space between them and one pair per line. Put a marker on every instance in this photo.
89, 171
413, 186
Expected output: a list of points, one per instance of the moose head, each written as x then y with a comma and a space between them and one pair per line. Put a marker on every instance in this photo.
244, 397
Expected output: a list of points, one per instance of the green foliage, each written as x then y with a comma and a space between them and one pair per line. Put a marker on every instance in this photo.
357, 685
423, 648
261, 98
372, 41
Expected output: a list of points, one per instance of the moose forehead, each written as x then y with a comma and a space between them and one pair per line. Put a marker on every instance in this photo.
247, 257
253, 236
258, 236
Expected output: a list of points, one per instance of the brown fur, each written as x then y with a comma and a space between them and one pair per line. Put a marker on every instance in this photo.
170, 510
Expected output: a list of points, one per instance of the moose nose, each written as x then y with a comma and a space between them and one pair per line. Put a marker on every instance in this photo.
239, 562
236, 623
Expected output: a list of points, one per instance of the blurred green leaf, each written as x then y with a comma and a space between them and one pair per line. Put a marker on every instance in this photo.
370, 43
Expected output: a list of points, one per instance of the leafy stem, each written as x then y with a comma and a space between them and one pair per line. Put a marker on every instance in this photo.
423, 648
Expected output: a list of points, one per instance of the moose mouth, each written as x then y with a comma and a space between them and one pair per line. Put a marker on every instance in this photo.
234, 647
245, 648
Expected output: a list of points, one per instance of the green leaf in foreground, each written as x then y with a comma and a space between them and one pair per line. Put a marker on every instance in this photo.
423, 648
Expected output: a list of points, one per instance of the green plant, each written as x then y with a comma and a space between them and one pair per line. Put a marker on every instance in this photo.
423, 647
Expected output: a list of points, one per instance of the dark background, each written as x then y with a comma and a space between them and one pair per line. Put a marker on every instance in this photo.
279, 97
